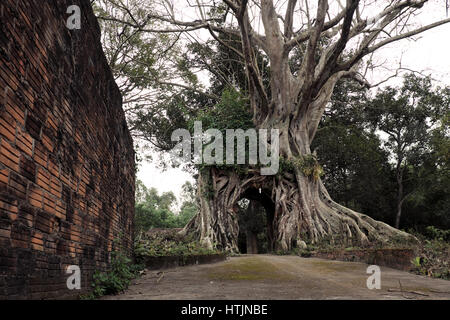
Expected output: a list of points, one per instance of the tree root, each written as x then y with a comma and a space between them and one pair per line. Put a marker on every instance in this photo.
302, 211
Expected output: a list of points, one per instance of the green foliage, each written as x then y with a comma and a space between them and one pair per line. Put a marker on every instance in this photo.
434, 233
187, 212
434, 252
357, 172
168, 244
307, 165
406, 115
231, 112
144, 65
155, 211
117, 278
362, 167
417, 262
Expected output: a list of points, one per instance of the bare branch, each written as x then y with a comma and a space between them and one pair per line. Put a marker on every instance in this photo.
307, 69
289, 19
305, 35
407, 35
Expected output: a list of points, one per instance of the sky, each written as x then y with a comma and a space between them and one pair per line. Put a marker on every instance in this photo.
429, 53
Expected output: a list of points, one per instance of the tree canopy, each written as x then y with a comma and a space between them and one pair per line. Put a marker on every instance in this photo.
283, 62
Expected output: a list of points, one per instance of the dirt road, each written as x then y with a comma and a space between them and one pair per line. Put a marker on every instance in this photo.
281, 277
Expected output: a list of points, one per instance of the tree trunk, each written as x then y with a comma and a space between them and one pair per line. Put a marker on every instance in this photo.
399, 173
399, 203
302, 210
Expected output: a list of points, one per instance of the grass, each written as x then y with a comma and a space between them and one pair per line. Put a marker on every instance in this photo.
249, 269
328, 266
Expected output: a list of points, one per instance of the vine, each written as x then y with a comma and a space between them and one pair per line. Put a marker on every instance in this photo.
306, 164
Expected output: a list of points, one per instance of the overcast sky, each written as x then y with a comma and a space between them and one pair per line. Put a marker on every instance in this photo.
430, 53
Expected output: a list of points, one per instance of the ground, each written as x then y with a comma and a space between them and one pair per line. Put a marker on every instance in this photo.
281, 277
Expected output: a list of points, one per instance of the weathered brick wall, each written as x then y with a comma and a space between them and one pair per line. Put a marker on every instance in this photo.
66, 155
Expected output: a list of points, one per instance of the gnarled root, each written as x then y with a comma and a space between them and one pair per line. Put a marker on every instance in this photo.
301, 209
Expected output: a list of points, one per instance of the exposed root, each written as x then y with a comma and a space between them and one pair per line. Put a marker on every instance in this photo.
302, 210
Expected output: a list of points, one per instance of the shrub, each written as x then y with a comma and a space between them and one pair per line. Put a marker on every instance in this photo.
437, 234
117, 278
168, 244
434, 257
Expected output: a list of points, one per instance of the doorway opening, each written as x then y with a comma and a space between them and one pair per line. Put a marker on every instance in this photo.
256, 215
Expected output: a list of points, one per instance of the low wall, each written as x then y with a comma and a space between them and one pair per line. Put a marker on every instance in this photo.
393, 258
166, 262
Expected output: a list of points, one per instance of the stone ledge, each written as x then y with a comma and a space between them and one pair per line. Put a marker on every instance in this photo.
167, 262
394, 258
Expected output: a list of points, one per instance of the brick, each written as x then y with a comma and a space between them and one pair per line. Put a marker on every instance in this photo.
5, 233
20, 244
4, 176
40, 156
37, 247
27, 168
49, 203
26, 215
55, 187
9, 156
24, 142
43, 179
18, 185
53, 167
7, 129
16, 113
9, 207
35, 196
47, 142
37, 241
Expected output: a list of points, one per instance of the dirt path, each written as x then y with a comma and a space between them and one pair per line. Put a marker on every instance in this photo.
281, 277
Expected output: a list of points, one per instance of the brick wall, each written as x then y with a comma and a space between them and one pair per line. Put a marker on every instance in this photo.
66, 155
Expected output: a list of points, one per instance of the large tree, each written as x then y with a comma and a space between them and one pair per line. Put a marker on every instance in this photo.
406, 115
331, 40
356, 167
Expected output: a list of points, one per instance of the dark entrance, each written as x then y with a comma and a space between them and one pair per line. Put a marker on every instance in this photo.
256, 213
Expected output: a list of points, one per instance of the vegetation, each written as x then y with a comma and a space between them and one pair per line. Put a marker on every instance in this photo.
168, 243
117, 278
434, 256
156, 211
433, 251
307, 164
402, 183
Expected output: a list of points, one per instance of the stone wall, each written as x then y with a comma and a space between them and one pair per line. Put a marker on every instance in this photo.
394, 258
66, 155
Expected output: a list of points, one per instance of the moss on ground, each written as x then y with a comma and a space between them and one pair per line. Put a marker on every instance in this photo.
249, 269
334, 266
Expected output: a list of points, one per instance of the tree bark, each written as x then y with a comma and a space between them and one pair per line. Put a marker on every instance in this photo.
302, 210
399, 199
